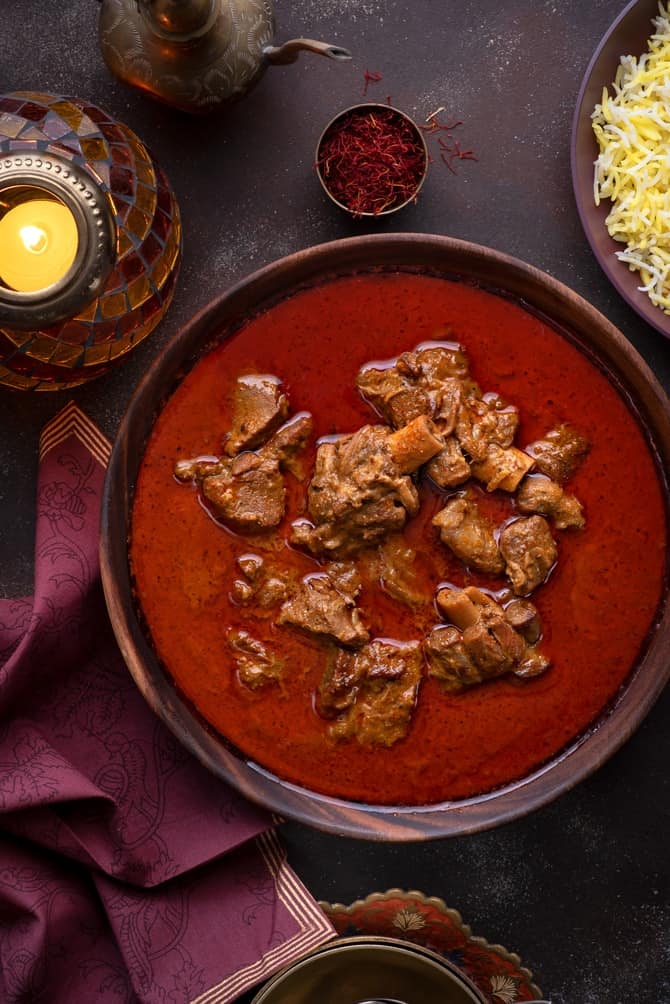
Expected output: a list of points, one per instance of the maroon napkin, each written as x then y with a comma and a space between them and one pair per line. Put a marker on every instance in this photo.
127, 871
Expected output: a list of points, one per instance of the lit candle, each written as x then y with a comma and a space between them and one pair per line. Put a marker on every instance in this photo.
38, 244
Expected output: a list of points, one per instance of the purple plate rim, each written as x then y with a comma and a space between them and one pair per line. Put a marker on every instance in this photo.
583, 150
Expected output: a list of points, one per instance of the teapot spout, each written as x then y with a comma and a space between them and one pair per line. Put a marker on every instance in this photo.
279, 55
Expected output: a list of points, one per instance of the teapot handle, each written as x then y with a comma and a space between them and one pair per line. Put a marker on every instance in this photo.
279, 55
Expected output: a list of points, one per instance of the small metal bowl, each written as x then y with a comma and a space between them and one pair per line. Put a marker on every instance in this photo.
411, 132
351, 969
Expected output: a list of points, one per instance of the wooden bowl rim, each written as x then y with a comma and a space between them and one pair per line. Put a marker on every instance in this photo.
453, 258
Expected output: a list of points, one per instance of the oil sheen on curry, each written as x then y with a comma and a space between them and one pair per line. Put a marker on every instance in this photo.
398, 540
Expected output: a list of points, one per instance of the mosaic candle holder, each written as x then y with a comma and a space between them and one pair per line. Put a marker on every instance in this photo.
125, 228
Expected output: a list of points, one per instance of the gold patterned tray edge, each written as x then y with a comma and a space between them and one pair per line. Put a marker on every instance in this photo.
438, 903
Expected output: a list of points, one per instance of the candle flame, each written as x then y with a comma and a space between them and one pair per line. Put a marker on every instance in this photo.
35, 239
38, 244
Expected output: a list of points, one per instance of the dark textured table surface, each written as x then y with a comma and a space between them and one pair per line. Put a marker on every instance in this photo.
580, 888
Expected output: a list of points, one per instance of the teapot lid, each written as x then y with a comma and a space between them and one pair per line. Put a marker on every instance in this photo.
180, 19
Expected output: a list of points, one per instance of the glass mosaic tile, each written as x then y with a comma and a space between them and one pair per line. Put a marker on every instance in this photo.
123, 243
113, 305
94, 149
11, 125
89, 312
34, 133
121, 180
162, 226
120, 348
54, 126
75, 333
16, 381
159, 272
121, 155
138, 223
145, 198
9, 104
113, 132
96, 354
16, 339
69, 112
42, 348
32, 112
145, 173
67, 355
151, 249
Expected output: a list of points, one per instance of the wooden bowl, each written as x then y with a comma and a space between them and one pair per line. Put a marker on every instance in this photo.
607, 348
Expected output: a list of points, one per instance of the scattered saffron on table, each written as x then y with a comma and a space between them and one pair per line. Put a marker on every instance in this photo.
449, 147
451, 152
372, 160
371, 77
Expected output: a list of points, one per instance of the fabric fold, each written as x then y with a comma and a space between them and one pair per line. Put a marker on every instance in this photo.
91, 780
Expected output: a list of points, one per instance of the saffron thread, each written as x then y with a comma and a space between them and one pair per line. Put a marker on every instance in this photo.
371, 77
448, 145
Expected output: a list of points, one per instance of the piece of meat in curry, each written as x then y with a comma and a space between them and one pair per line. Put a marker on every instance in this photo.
370, 695
246, 491
430, 381
560, 452
256, 666
484, 640
261, 585
477, 429
539, 494
469, 534
361, 489
324, 604
259, 407
529, 552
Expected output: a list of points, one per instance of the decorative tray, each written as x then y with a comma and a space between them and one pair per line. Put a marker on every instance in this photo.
429, 922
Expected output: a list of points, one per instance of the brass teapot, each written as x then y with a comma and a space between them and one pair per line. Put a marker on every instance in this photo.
196, 54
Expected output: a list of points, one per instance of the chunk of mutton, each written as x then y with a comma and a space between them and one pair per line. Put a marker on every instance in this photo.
248, 495
449, 662
427, 381
247, 492
262, 584
259, 408
482, 642
559, 453
431, 381
370, 695
483, 421
539, 494
469, 535
529, 552
449, 468
289, 441
361, 489
339, 685
197, 468
394, 566
524, 618
326, 607
256, 666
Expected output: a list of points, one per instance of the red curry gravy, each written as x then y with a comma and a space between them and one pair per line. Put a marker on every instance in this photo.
596, 609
